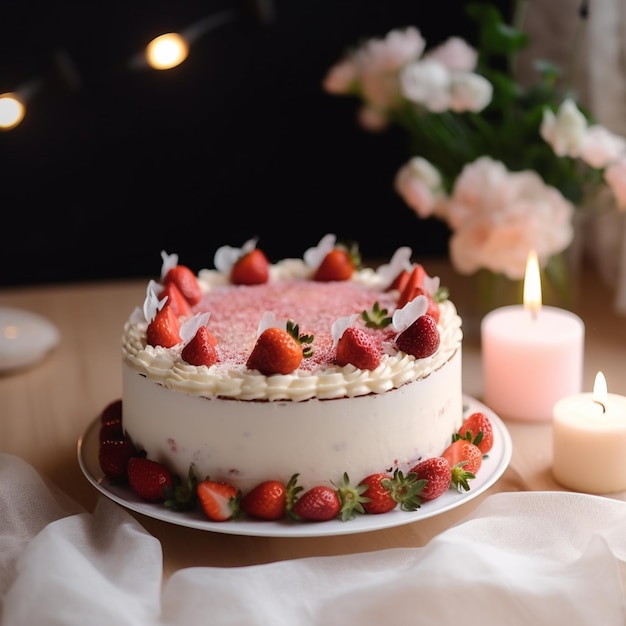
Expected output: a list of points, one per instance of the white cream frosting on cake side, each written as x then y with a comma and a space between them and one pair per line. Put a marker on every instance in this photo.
238, 425
248, 442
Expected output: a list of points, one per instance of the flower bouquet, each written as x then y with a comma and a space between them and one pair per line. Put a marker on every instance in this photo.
502, 164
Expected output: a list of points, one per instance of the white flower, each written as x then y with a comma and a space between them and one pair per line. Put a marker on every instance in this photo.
498, 216
427, 83
469, 92
420, 185
565, 132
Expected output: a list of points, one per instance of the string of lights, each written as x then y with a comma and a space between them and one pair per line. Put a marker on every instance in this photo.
164, 52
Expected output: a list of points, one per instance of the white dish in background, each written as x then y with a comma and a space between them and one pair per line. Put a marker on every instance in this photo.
25, 338
493, 466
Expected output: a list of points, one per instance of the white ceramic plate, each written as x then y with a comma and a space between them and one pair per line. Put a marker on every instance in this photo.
25, 338
492, 468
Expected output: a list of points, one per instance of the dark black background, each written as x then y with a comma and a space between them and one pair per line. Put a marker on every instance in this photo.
113, 164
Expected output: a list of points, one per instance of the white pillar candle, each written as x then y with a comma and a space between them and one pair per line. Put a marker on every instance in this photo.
532, 355
589, 441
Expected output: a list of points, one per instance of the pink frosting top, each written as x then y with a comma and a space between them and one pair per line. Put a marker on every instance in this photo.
237, 310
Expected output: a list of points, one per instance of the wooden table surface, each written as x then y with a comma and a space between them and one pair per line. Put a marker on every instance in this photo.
45, 409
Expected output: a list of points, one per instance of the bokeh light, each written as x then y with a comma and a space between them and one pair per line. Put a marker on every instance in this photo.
167, 51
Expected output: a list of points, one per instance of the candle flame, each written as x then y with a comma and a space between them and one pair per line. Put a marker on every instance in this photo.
600, 391
532, 284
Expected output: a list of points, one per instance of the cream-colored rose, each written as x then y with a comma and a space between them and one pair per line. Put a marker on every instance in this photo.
565, 131
469, 92
427, 83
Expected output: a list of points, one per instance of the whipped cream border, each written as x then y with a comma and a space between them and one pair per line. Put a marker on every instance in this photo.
166, 367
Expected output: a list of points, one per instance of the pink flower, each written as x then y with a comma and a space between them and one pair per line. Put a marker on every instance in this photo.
372, 119
498, 216
373, 68
340, 78
419, 184
455, 54
615, 176
600, 146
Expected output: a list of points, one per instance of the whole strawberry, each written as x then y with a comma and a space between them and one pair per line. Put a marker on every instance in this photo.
186, 282
436, 474
338, 264
270, 499
112, 412
465, 459
114, 455
250, 269
164, 329
201, 349
111, 421
319, 504
377, 496
358, 348
421, 339
385, 491
279, 351
149, 479
477, 428
180, 305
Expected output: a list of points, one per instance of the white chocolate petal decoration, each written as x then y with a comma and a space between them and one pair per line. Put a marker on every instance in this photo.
314, 256
152, 304
226, 256
401, 260
169, 261
404, 317
189, 327
432, 284
340, 325
268, 320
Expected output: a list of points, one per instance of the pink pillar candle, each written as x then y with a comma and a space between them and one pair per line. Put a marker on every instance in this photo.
530, 360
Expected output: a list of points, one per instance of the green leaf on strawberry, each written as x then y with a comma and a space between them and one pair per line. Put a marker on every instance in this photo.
376, 317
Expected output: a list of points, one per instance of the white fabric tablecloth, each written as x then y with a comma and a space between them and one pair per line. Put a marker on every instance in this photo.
519, 558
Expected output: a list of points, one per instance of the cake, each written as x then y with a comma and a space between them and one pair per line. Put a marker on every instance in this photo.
326, 417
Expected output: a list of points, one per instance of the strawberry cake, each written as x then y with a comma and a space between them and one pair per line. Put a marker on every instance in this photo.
314, 366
